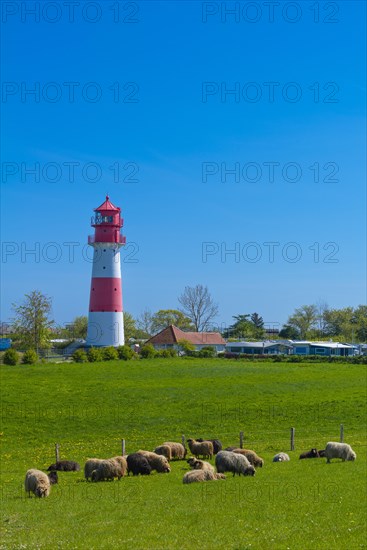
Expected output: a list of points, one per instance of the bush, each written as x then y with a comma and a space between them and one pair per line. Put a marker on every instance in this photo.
109, 354
207, 351
10, 357
125, 352
186, 346
94, 354
30, 357
148, 352
167, 353
79, 356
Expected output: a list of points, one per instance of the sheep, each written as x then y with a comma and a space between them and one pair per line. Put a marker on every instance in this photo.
281, 457
65, 466
217, 445
201, 475
178, 451
322, 453
196, 464
39, 483
108, 470
164, 450
90, 466
339, 450
205, 448
226, 461
251, 456
310, 454
157, 462
230, 448
138, 464
123, 463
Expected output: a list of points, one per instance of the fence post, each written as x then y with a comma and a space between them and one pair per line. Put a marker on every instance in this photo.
241, 440
183, 440
293, 430
341, 433
123, 446
57, 452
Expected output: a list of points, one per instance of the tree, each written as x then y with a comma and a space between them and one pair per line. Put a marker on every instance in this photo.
290, 333
129, 326
198, 305
32, 321
79, 327
246, 326
165, 317
257, 320
144, 322
303, 319
359, 321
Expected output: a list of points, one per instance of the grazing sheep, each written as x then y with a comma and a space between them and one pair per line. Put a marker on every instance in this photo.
201, 475
310, 454
108, 470
196, 464
164, 450
65, 466
230, 448
178, 451
251, 456
217, 445
226, 461
339, 450
157, 462
90, 466
138, 464
281, 457
123, 464
322, 453
39, 483
205, 448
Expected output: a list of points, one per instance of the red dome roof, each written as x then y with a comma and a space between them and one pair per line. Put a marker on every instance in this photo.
107, 206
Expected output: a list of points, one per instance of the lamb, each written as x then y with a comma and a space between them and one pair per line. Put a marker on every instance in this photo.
164, 450
178, 451
339, 450
281, 457
108, 470
39, 483
310, 454
90, 466
65, 466
138, 464
201, 475
251, 456
204, 448
217, 445
226, 461
157, 462
196, 464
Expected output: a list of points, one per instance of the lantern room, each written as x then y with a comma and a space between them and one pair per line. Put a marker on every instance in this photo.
107, 222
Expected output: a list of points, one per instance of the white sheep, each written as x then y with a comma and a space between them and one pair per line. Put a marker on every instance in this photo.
281, 457
201, 475
227, 461
108, 470
178, 451
164, 450
339, 450
90, 466
204, 448
196, 464
38, 483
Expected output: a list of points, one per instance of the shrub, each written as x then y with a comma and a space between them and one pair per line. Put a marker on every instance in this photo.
11, 357
125, 352
79, 356
207, 351
109, 354
167, 353
30, 357
148, 351
94, 354
186, 346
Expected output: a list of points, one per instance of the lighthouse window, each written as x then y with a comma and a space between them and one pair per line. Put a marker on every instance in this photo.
115, 289
104, 267
104, 250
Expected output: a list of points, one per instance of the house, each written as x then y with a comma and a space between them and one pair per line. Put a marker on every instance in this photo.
170, 336
322, 348
266, 347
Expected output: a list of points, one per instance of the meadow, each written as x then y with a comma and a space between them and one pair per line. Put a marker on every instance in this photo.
88, 408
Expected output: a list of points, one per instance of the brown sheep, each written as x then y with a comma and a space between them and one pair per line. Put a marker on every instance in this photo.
204, 448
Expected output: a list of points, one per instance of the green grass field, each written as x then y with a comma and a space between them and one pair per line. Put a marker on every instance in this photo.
88, 408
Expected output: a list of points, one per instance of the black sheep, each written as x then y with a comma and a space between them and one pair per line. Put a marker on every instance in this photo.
53, 477
65, 466
138, 464
310, 454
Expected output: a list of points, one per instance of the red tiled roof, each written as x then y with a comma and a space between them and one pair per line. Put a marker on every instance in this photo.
172, 334
107, 206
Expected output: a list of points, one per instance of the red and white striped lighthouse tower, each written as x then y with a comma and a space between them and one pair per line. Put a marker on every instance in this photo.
106, 321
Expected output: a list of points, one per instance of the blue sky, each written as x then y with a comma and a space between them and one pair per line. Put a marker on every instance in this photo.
166, 129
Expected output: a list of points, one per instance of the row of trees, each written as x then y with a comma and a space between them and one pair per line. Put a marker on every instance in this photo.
34, 327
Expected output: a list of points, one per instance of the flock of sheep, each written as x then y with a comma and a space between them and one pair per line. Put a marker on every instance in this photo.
231, 459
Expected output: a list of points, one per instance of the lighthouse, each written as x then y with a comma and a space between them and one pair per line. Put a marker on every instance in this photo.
105, 320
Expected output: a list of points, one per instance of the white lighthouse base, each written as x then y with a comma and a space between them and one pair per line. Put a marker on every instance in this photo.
105, 329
